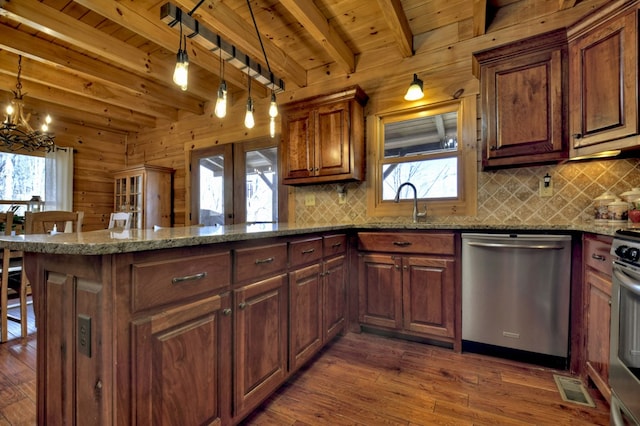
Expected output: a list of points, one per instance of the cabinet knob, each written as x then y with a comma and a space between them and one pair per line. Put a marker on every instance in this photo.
577, 135
226, 312
405, 267
242, 305
493, 148
397, 266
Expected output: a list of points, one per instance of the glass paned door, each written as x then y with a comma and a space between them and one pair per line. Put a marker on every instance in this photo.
261, 185
212, 186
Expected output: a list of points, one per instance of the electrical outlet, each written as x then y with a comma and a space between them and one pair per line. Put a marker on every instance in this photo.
546, 191
342, 197
310, 200
84, 335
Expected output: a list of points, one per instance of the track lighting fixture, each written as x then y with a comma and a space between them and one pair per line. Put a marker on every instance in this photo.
415, 89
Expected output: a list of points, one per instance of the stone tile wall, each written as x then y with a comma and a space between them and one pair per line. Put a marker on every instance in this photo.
504, 196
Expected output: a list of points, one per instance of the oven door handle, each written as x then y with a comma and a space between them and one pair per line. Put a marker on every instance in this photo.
627, 282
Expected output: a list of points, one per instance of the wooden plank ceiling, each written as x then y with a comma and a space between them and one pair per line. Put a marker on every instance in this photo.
109, 64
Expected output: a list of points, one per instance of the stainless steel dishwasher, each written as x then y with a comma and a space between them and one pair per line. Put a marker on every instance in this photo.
516, 291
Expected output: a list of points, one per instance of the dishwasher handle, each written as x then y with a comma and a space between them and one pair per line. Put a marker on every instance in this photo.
517, 246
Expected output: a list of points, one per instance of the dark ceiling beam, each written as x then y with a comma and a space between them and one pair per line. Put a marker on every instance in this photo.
399, 25
314, 22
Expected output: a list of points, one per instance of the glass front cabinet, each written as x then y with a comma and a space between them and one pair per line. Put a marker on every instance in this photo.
146, 192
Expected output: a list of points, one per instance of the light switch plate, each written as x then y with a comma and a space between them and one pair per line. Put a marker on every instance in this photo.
546, 191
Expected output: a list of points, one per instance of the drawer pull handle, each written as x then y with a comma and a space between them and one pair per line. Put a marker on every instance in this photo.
267, 260
598, 257
194, 277
309, 251
401, 243
336, 245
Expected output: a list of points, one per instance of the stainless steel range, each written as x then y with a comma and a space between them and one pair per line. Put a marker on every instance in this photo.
624, 367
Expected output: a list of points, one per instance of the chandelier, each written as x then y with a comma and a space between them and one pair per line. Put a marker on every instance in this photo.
16, 133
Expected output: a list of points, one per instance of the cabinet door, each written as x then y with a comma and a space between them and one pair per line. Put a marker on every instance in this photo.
260, 341
524, 109
298, 144
429, 295
380, 290
332, 144
334, 297
305, 307
604, 82
177, 358
598, 326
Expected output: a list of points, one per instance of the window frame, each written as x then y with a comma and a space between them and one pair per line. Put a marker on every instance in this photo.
465, 204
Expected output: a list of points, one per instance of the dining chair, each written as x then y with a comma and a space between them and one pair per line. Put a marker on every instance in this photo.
12, 279
120, 220
47, 221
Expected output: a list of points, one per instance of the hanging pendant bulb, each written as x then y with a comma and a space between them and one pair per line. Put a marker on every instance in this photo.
273, 107
221, 102
272, 127
249, 122
45, 125
181, 72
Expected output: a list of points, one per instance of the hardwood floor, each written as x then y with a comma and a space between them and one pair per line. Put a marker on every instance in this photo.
364, 379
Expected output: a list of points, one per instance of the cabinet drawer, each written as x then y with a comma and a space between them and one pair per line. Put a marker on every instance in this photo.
407, 242
597, 254
305, 251
168, 281
257, 262
334, 244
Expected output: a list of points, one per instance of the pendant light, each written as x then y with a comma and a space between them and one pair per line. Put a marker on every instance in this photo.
181, 72
249, 121
273, 113
221, 101
415, 90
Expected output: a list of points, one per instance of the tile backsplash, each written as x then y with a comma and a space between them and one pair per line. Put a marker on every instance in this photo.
507, 196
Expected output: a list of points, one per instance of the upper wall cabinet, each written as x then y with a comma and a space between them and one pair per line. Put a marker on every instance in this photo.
603, 91
523, 103
323, 138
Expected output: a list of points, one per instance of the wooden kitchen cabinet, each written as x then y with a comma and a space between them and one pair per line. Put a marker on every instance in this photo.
305, 300
146, 192
323, 138
603, 64
597, 309
334, 286
524, 101
407, 284
260, 338
178, 351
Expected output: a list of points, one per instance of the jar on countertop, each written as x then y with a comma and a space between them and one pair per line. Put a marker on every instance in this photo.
633, 200
601, 207
618, 211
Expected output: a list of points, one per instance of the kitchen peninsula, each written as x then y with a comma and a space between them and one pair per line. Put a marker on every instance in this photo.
190, 324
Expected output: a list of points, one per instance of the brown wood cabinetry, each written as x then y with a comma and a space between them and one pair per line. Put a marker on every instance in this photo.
597, 310
323, 138
603, 64
408, 283
524, 101
146, 192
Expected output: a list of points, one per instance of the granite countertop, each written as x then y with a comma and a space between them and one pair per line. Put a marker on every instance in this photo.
113, 241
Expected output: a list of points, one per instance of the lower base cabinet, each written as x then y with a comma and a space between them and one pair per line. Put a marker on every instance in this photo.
407, 284
260, 342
